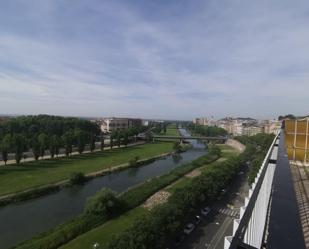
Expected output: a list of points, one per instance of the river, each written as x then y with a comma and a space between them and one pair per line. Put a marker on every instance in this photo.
21, 221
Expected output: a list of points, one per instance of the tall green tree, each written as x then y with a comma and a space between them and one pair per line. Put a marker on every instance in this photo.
19, 143
119, 137
44, 143
54, 146
5, 146
92, 142
111, 139
102, 141
81, 139
125, 138
58, 144
35, 146
67, 139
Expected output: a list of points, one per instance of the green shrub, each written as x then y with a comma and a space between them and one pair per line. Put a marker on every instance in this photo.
104, 203
134, 162
77, 178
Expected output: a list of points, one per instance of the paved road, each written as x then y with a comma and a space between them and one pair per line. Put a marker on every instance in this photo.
211, 231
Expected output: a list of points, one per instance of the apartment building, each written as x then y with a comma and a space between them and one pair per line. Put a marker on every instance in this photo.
110, 124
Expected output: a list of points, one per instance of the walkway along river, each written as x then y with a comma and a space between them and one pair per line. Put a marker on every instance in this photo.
21, 221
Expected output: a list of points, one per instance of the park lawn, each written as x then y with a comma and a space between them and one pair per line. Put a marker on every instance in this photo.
106, 232
228, 150
171, 130
27, 175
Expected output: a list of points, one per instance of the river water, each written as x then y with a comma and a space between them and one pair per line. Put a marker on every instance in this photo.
21, 221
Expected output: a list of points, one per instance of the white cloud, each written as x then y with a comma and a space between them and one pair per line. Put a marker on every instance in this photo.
112, 58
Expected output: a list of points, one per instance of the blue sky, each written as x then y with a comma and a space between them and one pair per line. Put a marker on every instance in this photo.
170, 59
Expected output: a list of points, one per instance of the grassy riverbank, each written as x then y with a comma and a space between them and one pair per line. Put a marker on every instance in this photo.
106, 232
131, 199
15, 178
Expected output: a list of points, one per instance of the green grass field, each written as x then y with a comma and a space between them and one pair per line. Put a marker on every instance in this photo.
103, 234
16, 178
228, 150
171, 130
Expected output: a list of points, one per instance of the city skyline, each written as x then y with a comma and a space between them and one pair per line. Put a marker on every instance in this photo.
175, 60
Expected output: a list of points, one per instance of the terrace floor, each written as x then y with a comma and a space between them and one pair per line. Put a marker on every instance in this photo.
300, 175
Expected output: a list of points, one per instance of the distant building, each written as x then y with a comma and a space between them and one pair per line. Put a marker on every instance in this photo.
240, 126
271, 126
200, 121
252, 130
145, 122
110, 124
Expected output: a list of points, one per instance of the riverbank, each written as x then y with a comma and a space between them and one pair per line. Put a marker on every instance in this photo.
160, 225
40, 191
55, 172
106, 232
135, 197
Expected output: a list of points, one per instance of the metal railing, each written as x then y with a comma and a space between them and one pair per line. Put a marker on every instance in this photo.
248, 231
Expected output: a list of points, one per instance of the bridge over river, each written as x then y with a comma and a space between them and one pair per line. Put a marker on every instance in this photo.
181, 138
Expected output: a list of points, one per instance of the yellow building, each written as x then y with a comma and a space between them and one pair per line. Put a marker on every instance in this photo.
297, 139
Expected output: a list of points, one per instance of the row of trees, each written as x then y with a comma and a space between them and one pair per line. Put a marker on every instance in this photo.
39, 144
207, 131
258, 146
119, 137
43, 133
50, 125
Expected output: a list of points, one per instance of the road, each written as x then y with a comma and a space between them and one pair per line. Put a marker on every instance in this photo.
211, 231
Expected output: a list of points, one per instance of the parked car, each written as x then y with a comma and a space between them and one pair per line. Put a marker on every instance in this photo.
189, 228
179, 240
205, 211
197, 219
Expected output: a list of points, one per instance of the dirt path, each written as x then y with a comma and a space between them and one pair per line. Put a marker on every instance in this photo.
158, 198
236, 145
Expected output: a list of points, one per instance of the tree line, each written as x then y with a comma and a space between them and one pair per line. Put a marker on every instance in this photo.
43, 133
258, 146
207, 131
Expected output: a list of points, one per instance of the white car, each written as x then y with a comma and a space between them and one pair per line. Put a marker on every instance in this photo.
205, 211
197, 219
189, 228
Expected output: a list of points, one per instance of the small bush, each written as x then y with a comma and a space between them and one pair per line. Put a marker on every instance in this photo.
77, 178
134, 162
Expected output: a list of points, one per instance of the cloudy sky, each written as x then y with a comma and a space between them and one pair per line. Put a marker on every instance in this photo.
171, 59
